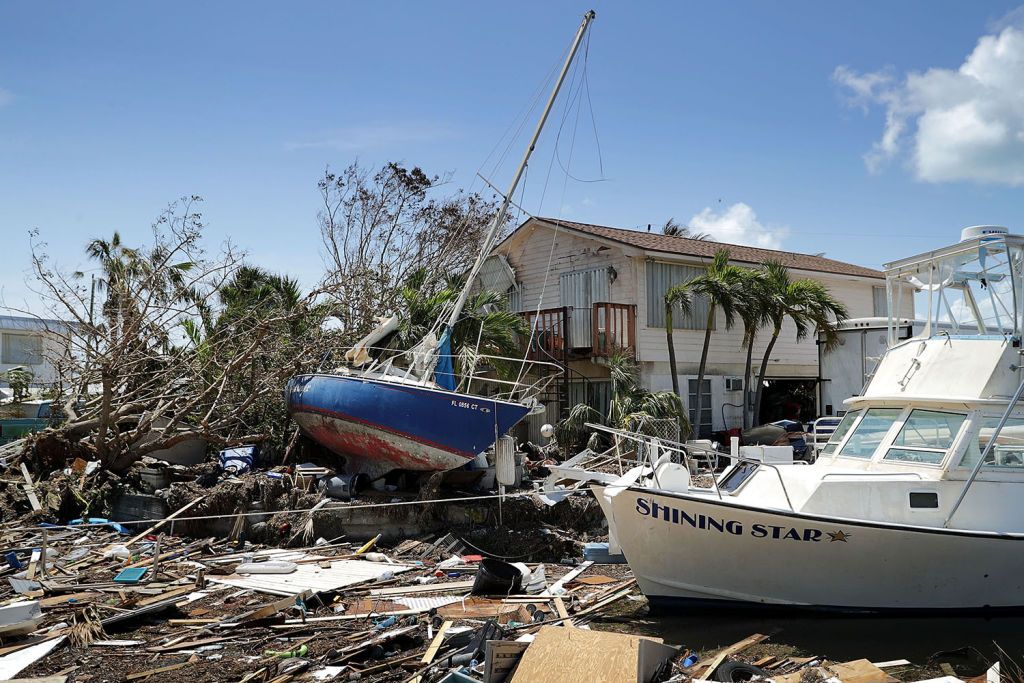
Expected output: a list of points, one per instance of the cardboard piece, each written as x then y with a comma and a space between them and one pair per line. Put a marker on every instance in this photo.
856, 671
860, 671
573, 655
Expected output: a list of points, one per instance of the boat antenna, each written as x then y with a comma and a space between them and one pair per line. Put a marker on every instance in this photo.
499, 219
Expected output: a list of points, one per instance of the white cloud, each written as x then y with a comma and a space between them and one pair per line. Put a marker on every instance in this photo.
6, 97
962, 124
738, 224
355, 138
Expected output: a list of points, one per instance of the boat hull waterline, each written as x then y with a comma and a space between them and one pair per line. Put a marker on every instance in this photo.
692, 549
379, 426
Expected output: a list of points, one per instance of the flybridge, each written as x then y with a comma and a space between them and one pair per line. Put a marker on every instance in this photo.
974, 287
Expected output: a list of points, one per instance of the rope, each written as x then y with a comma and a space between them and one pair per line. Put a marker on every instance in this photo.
340, 506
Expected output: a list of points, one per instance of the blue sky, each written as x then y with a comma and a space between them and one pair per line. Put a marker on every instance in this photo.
868, 131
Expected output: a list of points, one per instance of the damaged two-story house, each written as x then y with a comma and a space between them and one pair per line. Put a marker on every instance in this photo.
591, 291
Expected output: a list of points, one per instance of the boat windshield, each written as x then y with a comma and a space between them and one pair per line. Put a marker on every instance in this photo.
870, 432
1008, 452
974, 288
925, 437
840, 432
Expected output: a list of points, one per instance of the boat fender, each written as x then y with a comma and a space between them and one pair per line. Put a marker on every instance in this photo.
731, 672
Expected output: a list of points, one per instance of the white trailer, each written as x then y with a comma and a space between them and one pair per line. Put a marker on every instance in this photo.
843, 371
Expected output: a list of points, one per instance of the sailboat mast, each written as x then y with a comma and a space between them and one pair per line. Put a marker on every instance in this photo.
499, 219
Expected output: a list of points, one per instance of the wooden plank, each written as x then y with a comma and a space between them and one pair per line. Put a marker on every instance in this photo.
892, 662
163, 521
160, 670
431, 652
153, 599
560, 584
562, 612
450, 587
731, 650
30, 489
190, 644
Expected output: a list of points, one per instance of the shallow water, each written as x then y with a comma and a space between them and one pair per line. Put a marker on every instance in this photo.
843, 638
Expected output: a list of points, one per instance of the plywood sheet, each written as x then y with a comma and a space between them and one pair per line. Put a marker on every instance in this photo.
573, 655
312, 577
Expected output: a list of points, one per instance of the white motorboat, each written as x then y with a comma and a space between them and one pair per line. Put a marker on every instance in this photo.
916, 502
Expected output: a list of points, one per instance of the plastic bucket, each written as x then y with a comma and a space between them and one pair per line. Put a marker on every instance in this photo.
495, 577
345, 486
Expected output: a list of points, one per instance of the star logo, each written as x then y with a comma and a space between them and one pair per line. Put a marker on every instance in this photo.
838, 536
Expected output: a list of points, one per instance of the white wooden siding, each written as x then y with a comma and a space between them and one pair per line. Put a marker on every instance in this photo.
727, 356
528, 253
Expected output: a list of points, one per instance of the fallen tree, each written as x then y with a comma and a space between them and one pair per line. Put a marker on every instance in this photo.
169, 343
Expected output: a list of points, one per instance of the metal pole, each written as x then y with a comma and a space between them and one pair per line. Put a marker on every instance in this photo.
499, 220
984, 454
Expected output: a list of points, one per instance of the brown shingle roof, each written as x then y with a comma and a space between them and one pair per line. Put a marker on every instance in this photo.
651, 241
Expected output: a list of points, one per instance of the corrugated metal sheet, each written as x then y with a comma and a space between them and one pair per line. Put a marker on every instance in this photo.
662, 276
580, 289
496, 275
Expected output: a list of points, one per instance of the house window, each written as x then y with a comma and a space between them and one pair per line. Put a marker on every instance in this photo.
661, 277
703, 429
22, 349
514, 298
596, 393
879, 302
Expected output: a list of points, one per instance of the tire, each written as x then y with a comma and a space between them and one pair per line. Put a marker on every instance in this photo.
733, 672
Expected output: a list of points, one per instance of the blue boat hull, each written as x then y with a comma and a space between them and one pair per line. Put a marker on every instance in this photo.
379, 426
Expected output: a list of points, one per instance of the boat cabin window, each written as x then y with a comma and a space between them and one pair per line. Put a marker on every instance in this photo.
739, 474
840, 432
870, 432
1008, 451
925, 437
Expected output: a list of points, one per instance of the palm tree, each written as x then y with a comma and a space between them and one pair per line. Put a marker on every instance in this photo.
719, 285
677, 297
810, 306
253, 293
133, 280
674, 228
752, 308
486, 327
632, 407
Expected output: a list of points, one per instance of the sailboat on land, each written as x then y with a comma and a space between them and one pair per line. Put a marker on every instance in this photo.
381, 416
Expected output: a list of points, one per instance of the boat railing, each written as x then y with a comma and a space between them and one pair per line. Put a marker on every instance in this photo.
985, 453
657, 445
396, 363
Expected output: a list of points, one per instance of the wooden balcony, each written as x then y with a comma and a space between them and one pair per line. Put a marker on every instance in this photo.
612, 328
566, 333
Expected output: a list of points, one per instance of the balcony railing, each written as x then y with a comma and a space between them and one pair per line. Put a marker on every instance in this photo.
613, 328
566, 333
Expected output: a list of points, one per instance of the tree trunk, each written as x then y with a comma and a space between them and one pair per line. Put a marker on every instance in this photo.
747, 371
703, 367
671, 349
761, 374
